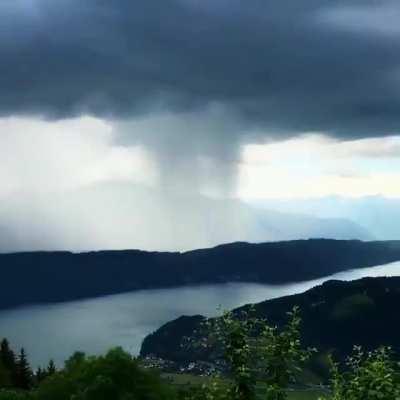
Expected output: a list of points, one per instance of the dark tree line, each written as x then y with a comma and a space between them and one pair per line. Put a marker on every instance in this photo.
15, 369
114, 376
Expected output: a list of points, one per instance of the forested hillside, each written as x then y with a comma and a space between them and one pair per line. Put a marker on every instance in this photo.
60, 276
336, 316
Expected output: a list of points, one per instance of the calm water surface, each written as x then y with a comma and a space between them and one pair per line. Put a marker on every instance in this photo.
57, 330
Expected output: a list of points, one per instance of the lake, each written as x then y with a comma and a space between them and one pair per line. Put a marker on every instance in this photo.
95, 325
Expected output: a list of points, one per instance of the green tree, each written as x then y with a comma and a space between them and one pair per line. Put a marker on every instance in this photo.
5, 376
115, 376
281, 355
367, 376
8, 364
7, 356
23, 372
254, 351
51, 368
40, 375
235, 337
75, 361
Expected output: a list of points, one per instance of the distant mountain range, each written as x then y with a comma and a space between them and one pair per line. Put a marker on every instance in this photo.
43, 277
336, 316
119, 216
378, 215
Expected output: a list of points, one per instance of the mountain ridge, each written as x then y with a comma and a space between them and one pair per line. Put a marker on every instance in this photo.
45, 277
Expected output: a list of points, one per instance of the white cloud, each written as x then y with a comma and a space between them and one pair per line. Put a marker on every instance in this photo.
47, 156
316, 166
381, 18
71, 184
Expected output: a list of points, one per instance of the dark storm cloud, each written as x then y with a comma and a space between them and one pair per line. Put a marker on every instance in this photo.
282, 65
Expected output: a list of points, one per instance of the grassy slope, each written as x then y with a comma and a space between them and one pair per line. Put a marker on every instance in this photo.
187, 379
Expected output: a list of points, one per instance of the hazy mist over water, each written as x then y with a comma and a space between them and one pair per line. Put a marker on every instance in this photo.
95, 325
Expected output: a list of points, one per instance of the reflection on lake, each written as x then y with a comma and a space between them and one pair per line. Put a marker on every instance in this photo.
57, 330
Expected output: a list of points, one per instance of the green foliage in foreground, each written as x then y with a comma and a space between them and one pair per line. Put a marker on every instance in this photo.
368, 376
115, 376
255, 351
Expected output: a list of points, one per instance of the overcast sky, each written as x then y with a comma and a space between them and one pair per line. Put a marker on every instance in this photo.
180, 98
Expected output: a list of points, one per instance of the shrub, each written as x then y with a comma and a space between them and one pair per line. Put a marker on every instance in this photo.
367, 376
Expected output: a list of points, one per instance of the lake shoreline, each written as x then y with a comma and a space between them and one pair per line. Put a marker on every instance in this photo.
94, 325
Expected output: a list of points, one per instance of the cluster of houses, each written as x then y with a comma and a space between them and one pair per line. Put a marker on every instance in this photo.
201, 368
